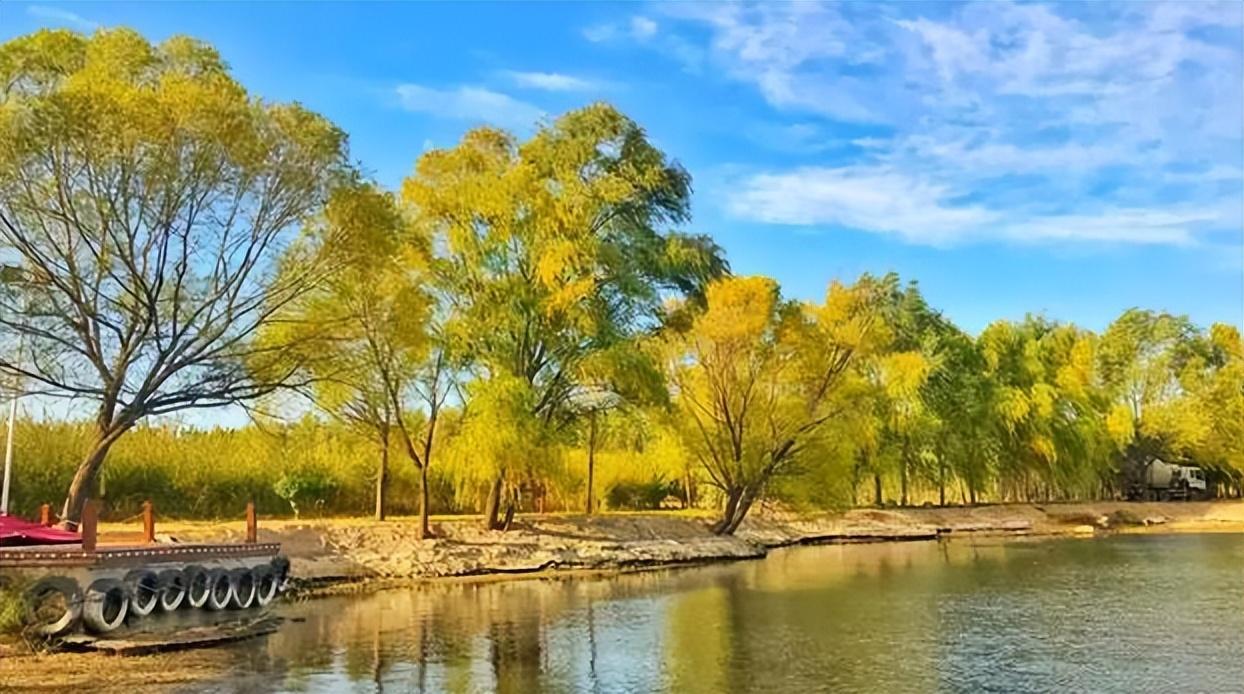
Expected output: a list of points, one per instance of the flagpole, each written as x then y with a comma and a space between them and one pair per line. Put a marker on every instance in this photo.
8, 457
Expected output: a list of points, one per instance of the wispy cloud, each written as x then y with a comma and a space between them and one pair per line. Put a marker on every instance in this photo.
468, 103
923, 211
637, 28
863, 198
61, 16
643, 28
1057, 122
550, 81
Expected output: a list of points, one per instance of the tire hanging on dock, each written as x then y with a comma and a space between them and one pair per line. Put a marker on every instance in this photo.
241, 589
105, 605
52, 606
266, 584
198, 587
144, 589
280, 569
220, 591
172, 589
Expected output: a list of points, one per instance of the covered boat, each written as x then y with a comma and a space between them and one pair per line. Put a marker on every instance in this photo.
17, 532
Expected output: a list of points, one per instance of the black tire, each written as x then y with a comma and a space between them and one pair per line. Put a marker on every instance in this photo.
172, 589
267, 584
242, 588
221, 593
52, 606
144, 588
197, 587
105, 606
280, 568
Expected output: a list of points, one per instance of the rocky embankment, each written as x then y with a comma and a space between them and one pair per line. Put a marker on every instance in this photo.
357, 549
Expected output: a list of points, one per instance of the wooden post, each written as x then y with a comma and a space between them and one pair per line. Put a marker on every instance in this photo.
252, 526
89, 526
148, 522
45, 515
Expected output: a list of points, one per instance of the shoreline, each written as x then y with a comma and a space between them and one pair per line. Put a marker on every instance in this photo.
335, 557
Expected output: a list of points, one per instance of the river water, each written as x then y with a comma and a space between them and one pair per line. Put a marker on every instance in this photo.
1129, 613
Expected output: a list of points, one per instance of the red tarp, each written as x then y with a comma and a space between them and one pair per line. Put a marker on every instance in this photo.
15, 532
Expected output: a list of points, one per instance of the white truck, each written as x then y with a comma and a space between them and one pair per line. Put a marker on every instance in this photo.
1165, 481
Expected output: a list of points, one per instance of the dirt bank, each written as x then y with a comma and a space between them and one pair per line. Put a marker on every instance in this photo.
338, 550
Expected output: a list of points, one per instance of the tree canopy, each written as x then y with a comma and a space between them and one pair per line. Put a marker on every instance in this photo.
531, 312
144, 199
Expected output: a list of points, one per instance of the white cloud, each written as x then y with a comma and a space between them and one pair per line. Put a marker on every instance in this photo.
921, 211
601, 33
1060, 121
1113, 225
467, 103
643, 28
639, 28
550, 81
60, 16
868, 199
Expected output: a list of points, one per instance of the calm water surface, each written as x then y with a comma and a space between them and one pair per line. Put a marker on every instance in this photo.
1120, 614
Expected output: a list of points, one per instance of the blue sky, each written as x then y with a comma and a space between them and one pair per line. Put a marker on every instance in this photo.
1073, 159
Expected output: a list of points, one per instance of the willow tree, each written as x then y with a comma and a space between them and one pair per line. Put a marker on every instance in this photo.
1142, 357
1047, 418
1218, 391
551, 251
144, 197
758, 379
366, 334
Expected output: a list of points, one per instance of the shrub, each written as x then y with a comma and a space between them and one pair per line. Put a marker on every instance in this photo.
307, 488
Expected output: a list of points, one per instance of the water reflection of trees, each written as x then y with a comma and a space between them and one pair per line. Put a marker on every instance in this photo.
819, 618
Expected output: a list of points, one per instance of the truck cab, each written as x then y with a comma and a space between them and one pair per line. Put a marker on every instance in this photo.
1193, 477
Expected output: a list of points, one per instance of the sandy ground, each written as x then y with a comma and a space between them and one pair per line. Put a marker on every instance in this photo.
93, 672
354, 548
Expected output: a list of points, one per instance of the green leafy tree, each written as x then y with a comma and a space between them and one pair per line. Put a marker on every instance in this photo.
144, 199
554, 250
369, 356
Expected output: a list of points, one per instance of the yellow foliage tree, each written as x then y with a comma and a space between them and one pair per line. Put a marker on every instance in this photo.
144, 200
756, 379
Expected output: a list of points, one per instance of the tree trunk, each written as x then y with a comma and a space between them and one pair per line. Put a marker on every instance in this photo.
941, 483
425, 531
382, 475
492, 507
85, 477
740, 510
721, 527
738, 502
902, 480
878, 499
591, 458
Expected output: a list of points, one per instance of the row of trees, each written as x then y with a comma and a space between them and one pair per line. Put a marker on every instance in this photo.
174, 243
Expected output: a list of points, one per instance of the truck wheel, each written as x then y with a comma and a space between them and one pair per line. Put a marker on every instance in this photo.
53, 606
105, 606
172, 589
144, 590
197, 587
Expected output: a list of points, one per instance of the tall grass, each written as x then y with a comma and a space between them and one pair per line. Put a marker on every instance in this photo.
211, 473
